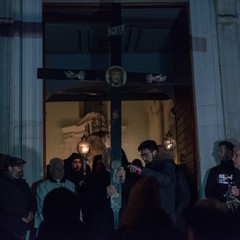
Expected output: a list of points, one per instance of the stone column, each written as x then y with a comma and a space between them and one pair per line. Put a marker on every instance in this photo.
21, 92
207, 85
227, 12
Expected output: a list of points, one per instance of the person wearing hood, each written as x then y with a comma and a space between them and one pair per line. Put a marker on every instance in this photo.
74, 172
99, 215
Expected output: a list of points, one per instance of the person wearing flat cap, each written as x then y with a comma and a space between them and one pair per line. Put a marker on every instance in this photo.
17, 205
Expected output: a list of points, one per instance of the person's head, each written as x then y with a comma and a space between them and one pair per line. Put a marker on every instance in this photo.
225, 150
106, 157
182, 157
161, 148
236, 157
148, 150
208, 219
73, 163
145, 194
56, 168
61, 216
15, 166
97, 166
76, 162
61, 207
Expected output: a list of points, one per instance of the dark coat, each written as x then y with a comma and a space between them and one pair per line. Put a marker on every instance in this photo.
16, 201
214, 186
164, 171
130, 180
61, 217
75, 177
99, 215
182, 196
78, 178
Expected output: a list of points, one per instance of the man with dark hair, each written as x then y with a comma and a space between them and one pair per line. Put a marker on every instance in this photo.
147, 145
16, 201
217, 180
162, 169
74, 171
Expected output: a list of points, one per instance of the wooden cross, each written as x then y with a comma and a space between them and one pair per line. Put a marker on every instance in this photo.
115, 95
116, 113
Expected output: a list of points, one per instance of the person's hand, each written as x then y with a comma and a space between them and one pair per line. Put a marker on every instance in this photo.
134, 169
80, 183
235, 191
29, 218
111, 190
24, 219
121, 173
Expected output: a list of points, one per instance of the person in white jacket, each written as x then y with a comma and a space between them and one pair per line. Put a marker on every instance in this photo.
56, 180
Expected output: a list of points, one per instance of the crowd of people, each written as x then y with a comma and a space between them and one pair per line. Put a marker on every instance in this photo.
75, 203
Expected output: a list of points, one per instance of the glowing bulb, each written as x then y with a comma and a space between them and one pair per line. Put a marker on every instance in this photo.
83, 146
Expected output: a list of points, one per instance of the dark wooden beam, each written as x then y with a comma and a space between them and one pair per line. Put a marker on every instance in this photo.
116, 113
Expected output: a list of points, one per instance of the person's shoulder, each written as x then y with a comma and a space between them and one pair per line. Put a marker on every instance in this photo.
180, 169
216, 168
222, 167
165, 155
228, 165
164, 163
69, 182
43, 183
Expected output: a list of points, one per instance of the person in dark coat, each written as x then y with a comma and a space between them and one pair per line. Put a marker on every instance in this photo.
163, 170
216, 185
17, 205
61, 210
122, 180
182, 189
144, 218
99, 215
132, 178
209, 219
74, 172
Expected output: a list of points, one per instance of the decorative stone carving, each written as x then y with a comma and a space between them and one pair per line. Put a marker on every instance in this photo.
92, 125
95, 127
